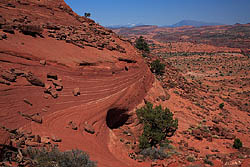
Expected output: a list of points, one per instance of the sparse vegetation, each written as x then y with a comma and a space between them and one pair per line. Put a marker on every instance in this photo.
221, 105
154, 153
157, 67
158, 124
207, 161
142, 45
190, 159
53, 157
237, 143
87, 14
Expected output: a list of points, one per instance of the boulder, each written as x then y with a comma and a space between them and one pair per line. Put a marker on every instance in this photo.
88, 128
18, 72
72, 125
3, 36
197, 133
59, 88
57, 82
31, 78
32, 30
76, 92
43, 62
52, 76
11, 5
48, 87
37, 118
45, 140
52, 92
8, 29
9, 76
32, 143
27, 102
46, 96
2, 81
37, 139
56, 139
163, 98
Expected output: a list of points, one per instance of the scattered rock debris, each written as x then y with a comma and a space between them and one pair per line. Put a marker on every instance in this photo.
9, 76
27, 102
43, 62
76, 92
33, 117
52, 76
34, 80
88, 128
72, 125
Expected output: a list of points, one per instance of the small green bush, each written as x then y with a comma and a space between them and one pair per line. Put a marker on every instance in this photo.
237, 143
207, 161
53, 157
154, 153
190, 159
87, 14
221, 105
158, 124
141, 44
157, 67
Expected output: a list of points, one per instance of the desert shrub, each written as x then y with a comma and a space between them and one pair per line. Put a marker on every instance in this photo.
53, 157
154, 153
87, 14
144, 55
221, 106
207, 161
32, 30
237, 143
141, 44
158, 124
190, 159
157, 67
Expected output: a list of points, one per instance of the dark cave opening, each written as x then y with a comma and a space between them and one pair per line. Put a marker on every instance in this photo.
116, 117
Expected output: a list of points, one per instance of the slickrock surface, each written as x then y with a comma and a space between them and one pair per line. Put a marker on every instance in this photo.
46, 52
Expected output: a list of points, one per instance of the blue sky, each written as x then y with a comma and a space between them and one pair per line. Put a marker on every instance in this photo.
163, 12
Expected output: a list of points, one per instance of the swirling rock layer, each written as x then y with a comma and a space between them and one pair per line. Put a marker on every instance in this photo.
61, 74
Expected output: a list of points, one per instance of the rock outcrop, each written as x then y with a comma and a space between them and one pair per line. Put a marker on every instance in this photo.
108, 72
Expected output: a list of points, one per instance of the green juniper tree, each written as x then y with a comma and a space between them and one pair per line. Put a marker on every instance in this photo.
142, 45
158, 124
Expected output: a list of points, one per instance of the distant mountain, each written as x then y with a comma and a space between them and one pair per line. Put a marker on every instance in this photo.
193, 23
129, 25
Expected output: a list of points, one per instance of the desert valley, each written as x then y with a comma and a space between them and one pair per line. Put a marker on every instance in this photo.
68, 83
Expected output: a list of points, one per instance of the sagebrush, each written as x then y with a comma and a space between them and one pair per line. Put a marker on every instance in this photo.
157, 67
53, 157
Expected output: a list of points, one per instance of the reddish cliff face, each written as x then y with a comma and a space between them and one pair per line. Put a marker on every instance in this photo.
62, 73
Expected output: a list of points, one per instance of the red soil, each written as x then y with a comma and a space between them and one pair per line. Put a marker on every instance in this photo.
200, 74
113, 80
105, 83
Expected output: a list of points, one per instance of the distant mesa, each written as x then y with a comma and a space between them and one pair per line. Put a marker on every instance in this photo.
193, 23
